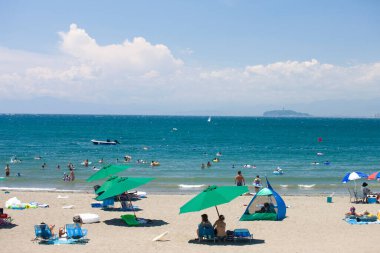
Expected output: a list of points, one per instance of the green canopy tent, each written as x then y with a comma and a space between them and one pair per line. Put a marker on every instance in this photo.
120, 185
213, 196
107, 171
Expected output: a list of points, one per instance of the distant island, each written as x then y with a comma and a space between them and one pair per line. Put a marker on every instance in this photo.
285, 113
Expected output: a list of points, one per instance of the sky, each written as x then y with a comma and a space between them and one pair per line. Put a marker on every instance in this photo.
167, 57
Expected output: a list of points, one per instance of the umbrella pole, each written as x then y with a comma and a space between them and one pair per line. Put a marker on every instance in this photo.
217, 211
130, 201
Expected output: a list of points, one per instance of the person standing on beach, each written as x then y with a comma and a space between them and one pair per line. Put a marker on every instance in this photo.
7, 170
257, 183
239, 179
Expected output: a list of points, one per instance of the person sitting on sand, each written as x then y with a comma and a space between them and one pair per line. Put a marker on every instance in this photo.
220, 227
61, 232
205, 223
51, 228
352, 212
239, 179
267, 208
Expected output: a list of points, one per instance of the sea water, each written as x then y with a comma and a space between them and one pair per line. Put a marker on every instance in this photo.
314, 153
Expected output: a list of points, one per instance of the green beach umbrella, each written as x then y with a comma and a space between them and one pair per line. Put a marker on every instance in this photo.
213, 196
107, 184
123, 184
107, 171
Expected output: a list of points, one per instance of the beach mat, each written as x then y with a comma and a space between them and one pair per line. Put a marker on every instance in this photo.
355, 222
64, 241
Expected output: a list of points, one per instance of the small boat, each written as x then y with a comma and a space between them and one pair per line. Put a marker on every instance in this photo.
107, 142
209, 119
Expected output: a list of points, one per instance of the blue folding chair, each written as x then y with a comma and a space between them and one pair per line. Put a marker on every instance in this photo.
109, 202
206, 232
74, 231
43, 232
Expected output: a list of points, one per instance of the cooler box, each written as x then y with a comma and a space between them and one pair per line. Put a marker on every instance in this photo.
372, 200
96, 205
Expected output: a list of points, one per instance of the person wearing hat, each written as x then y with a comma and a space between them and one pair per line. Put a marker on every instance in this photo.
366, 192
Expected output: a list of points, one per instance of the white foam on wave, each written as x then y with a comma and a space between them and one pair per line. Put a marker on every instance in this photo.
306, 185
22, 189
191, 185
284, 185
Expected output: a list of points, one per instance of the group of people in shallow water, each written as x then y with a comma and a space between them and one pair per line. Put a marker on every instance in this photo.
219, 226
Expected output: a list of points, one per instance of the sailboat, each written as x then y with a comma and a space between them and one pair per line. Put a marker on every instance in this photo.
209, 119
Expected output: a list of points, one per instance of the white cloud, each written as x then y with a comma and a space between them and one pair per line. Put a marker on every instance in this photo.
137, 55
145, 75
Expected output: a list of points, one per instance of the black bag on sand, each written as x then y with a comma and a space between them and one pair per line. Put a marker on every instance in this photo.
230, 235
77, 219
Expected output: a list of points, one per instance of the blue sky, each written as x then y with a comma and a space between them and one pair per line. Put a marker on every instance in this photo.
214, 45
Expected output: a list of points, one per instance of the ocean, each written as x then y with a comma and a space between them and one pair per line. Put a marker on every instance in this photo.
182, 143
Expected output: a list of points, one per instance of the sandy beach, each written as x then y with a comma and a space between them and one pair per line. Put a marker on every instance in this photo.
312, 225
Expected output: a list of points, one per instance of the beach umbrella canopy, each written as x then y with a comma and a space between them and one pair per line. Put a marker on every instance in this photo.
213, 196
374, 176
123, 184
352, 176
265, 192
107, 184
107, 171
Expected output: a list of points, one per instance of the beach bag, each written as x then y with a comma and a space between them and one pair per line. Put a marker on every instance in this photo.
230, 235
77, 219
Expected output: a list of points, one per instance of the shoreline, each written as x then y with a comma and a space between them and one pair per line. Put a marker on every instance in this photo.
157, 193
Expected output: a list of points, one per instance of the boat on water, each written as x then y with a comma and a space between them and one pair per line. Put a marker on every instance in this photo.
107, 142
209, 119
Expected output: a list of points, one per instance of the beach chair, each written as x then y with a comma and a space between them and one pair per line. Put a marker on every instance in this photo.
43, 232
107, 203
5, 220
206, 232
74, 231
242, 233
352, 196
359, 197
130, 220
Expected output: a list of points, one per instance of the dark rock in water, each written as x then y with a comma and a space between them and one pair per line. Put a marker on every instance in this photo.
285, 113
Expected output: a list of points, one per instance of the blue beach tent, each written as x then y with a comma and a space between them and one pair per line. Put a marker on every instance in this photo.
275, 211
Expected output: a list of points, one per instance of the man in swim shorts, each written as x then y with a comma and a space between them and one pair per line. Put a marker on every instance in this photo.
239, 179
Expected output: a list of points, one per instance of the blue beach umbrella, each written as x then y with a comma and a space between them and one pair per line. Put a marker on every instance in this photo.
352, 176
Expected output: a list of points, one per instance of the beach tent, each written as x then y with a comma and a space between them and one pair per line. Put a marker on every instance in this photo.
265, 195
